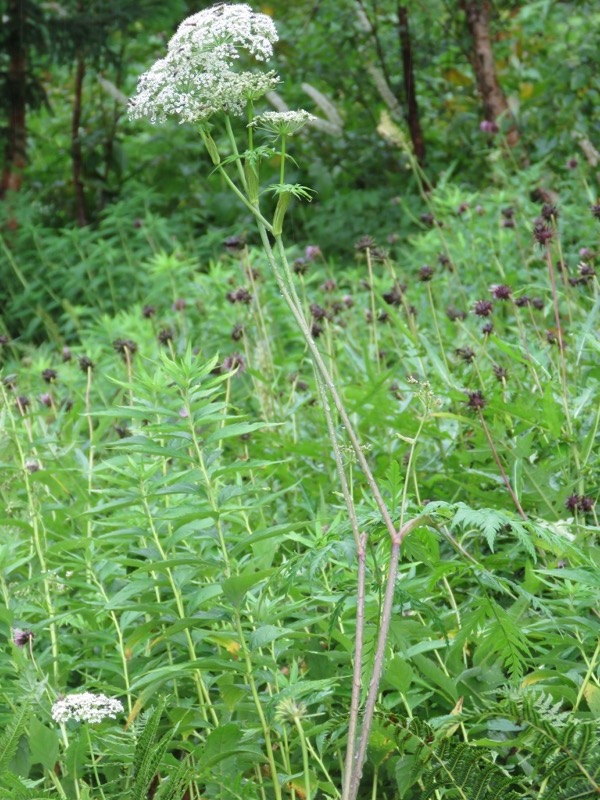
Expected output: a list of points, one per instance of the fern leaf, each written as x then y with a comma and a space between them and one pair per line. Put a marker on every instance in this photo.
11, 736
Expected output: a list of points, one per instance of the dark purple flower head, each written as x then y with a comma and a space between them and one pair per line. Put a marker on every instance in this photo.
49, 375
179, 304
238, 332
123, 431
21, 637
66, 354
312, 252
501, 373
300, 266
317, 311
137, 223
148, 311
488, 328
572, 502
476, 400
508, 212
462, 209
586, 272
595, 209
31, 465
542, 232
85, 364
316, 330
522, 301
551, 337
508, 223
586, 504
234, 362
234, 243
125, 347
165, 336
572, 163
46, 399
22, 403
466, 353
4, 339
394, 296
482, 308
488, 126
329, 285
428, 219
426, 273
454, 313
445, 262
365, 243
240, 295
382, 315
500, 291
348, 300
537, 303
549, 212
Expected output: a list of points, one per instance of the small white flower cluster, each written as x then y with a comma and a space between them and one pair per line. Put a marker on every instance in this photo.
197, 79
282, 123
86, 707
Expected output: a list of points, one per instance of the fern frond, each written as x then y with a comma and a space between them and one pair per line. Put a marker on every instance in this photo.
11, 736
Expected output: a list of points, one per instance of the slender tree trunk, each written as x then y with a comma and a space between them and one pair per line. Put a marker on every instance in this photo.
16, 137
477, 13
412, 107
76, 153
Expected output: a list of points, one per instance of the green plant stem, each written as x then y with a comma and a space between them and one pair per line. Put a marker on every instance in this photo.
305, 764
258, 705
373, 307
496, 457
282, 165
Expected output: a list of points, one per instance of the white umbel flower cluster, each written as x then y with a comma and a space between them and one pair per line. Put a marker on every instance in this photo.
197, 77
282, 123
86, 707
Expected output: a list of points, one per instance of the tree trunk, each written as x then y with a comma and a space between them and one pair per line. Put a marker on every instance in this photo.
495, 106
412, 106
76, 153
16, 136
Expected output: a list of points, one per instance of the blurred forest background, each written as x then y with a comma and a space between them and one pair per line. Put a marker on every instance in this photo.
476, 87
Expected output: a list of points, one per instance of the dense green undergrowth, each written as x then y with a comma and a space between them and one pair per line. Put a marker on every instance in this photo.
173, 534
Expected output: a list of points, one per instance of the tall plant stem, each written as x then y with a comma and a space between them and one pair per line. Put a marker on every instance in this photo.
559, 331
258, 704
507, 483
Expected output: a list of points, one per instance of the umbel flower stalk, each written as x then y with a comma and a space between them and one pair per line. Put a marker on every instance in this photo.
214, 70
